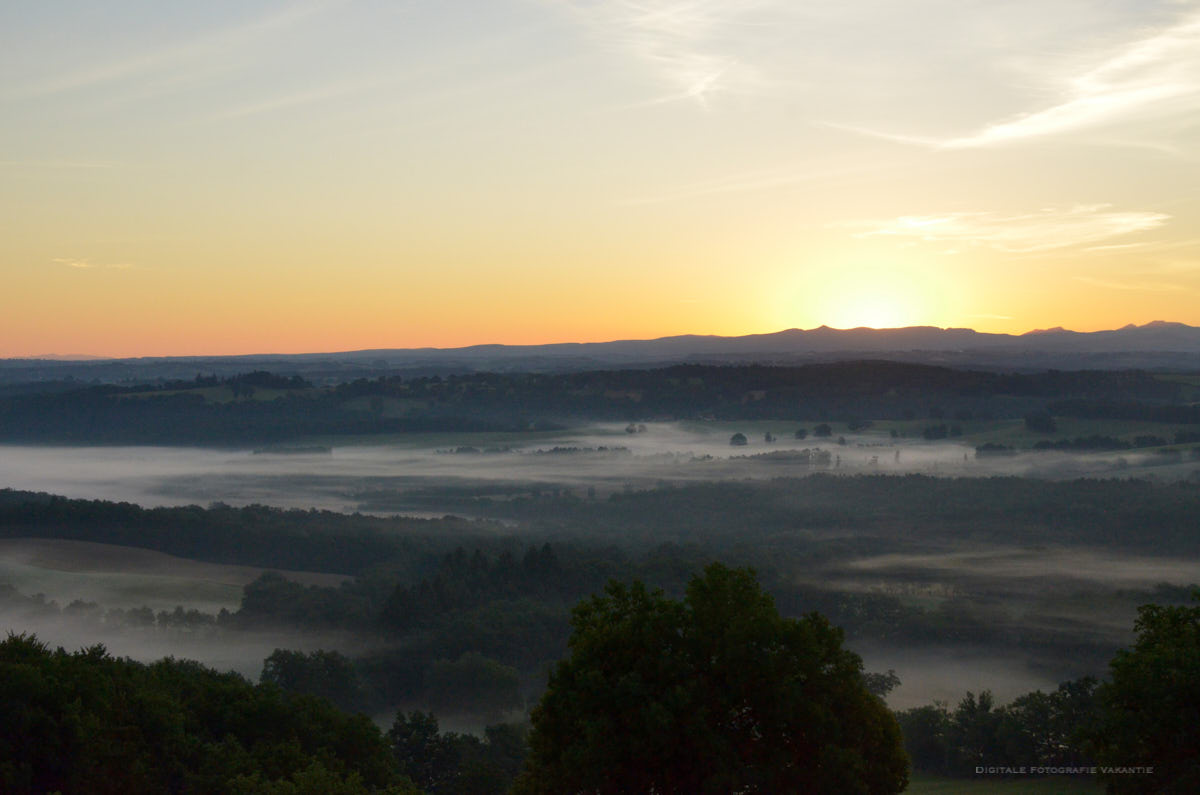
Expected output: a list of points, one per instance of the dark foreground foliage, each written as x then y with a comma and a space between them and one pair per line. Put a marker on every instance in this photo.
1140, 731
449, 763
717, 693
1150, 710
90, 723
1036, 730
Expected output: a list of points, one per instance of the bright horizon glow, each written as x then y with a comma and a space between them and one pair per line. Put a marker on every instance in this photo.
267, 176
846, 325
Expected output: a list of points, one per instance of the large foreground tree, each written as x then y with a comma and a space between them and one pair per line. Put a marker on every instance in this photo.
717, 693
1150, 711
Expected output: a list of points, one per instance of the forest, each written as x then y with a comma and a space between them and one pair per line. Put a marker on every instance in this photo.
260, 407
931, 518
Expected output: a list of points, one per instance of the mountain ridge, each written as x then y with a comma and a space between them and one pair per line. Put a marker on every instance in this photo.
1155, 345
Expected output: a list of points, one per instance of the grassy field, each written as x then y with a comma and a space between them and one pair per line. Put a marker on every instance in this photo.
1050, 785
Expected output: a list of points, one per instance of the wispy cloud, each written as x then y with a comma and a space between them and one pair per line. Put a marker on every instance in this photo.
1119, 247
1151, 70
1043, 230
64, 164
686, 43
297, 99
206, 51
749, 182
1156, 287
883, 135
1156, 73
87, 264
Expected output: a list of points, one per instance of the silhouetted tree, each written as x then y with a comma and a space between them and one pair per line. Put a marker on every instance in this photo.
717, 693
1150, 711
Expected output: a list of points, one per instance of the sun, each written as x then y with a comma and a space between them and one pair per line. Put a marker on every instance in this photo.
874, 311
871, 296
871, 289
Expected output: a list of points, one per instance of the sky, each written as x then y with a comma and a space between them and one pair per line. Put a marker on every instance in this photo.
225, 177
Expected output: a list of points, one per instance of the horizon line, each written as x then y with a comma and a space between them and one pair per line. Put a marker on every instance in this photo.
80, 358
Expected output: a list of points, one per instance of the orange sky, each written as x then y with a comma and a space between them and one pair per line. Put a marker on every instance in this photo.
282, 177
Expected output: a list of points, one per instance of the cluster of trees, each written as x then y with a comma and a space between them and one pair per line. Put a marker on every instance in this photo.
1139, 728
38, 606
88, 722
450, 763
822, 430
1036, 730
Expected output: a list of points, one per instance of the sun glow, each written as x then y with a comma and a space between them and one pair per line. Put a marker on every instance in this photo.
851, 295
874, 311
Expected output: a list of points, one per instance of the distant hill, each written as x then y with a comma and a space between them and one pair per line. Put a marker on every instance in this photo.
1156, 345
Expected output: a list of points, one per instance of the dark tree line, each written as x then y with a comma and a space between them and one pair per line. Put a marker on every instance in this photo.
254, 535
178, 413
1180, 414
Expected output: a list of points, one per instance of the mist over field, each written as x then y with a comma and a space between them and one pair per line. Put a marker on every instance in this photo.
419, 543
402, 544
1041, 588
602, 456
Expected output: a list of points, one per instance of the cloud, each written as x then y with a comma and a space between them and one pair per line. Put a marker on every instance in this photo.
203, 52
1160, 70
1154, 74
1043, 230
1157, 287
688, 44
886, 136
82, 164
297, 99
1118, 247
87, 264
751, 181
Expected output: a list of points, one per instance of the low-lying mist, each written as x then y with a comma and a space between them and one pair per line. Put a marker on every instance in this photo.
604, 457
1035, 593
242, 652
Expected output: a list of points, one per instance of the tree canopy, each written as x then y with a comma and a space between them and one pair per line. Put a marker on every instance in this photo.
1151, 707
88, 722
714, 693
